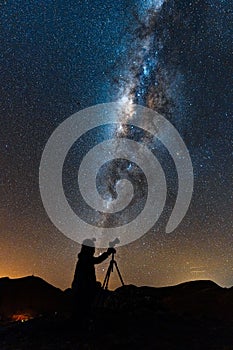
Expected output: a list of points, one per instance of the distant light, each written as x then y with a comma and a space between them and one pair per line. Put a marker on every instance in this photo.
21, 317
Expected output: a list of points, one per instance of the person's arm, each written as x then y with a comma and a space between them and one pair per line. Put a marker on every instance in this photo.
104, 256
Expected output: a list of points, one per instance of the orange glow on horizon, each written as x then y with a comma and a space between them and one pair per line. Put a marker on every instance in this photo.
21, 317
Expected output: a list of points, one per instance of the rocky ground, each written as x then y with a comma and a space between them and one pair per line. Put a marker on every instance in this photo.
143, 329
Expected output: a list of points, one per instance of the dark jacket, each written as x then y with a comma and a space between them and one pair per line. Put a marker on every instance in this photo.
84, 277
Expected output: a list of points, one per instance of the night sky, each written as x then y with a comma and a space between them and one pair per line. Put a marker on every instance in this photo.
57, 58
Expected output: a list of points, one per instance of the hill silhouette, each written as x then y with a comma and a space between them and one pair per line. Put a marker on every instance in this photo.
194, 315
30, 296
195, 299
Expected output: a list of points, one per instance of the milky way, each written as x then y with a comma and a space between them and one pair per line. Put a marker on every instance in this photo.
141, 75
140, 82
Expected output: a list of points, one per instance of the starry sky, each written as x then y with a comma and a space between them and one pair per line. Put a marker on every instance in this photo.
174, 56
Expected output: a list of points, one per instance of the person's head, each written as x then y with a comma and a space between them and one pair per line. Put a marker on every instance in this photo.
88, 246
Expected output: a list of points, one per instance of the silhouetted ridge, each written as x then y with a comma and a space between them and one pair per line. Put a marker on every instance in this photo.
198, 284
29, 295
34, 296
196, 299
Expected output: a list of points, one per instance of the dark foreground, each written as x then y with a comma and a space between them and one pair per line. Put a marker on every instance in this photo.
195, 315
119, 331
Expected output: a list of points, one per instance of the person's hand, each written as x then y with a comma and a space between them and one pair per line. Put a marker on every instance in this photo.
111, 251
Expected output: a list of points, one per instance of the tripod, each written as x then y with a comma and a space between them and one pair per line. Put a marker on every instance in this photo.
110, 269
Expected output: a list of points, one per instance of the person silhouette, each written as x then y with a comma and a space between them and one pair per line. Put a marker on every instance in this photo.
84, 286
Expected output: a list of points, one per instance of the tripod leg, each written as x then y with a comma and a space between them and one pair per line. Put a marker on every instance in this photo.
119, 274
106, 280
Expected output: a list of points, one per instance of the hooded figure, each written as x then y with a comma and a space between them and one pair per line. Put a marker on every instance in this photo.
84, 286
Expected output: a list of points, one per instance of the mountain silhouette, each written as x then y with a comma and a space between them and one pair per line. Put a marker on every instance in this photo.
34, 296
193, 315
195, 299
30, 296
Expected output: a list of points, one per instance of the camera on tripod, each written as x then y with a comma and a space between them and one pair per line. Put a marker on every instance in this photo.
114, 243
111, 265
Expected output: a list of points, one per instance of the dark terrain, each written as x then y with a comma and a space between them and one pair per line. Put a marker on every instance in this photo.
192, 315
